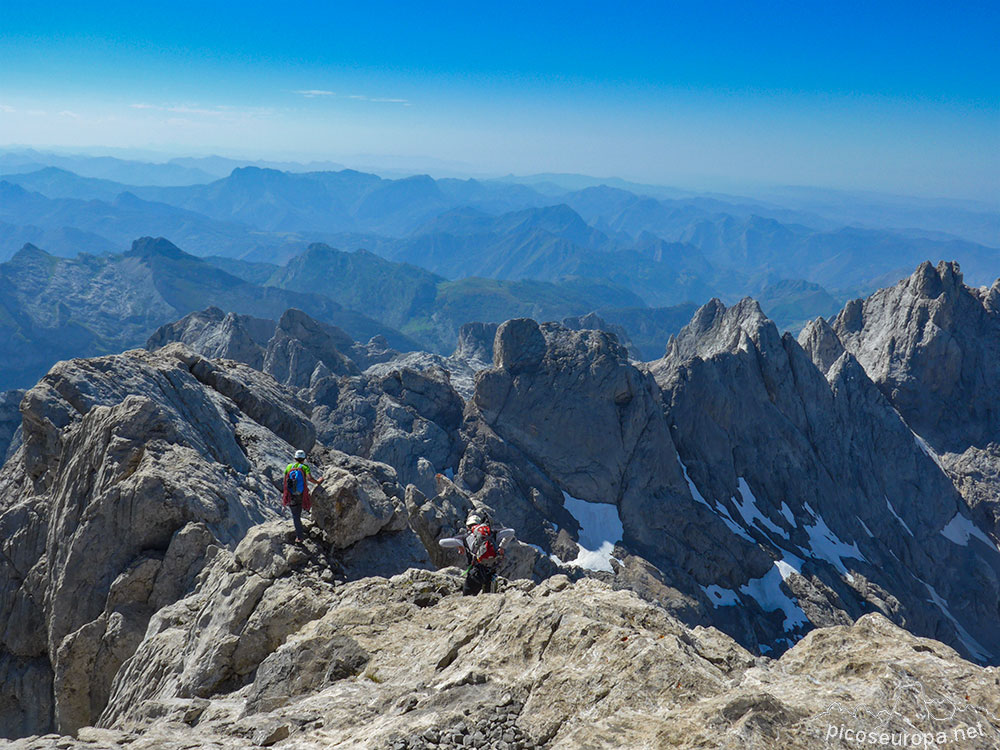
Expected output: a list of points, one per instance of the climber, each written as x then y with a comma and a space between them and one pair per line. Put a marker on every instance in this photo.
295, 493
484, 549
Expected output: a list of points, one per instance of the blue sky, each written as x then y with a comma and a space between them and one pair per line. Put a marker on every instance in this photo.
887, 96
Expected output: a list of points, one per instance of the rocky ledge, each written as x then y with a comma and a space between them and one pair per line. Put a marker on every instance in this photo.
270, 650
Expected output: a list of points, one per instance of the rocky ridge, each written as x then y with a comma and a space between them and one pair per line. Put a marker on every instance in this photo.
216, 334
168, 454
366, 400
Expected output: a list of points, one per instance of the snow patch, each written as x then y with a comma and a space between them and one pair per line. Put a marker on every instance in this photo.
599, 559
926, 449
894, 513
750, 511
960, 529
600, 529
786, 569
721, 597
694, 490
733, 526
974, 647
865, 527
768, 594
825, 545
720, 511
787, 513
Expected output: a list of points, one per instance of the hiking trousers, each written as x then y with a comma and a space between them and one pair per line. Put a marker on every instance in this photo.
296, 509
477, 580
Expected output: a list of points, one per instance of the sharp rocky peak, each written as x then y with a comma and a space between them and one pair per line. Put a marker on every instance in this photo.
821, 343
932, 346
30, 252
149, 247
930, 282
715, 329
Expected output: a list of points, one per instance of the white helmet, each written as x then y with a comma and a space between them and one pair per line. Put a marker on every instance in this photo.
299, 455
474, 519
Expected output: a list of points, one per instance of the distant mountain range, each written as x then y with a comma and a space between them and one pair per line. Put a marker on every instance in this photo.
426, 306
55, 308
468, 227
104, 167
440, 253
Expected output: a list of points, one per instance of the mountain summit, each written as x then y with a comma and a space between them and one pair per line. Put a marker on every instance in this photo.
932, 345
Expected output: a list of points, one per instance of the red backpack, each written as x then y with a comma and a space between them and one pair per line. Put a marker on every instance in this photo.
482, 543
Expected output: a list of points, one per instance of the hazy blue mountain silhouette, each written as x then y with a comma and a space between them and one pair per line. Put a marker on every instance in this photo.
53, 308
118, 221
127, 171
426, 306
665, 250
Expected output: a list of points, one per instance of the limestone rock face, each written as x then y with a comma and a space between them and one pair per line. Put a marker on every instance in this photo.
132, 470
519, 346
407, 662
361, 499
406, 418
819, 469
303, 348
473, 353
444, 514
821, 343
376, 351
752, 496
216, 334
475, 341
575, 420
10, 419
932, 345
593, 321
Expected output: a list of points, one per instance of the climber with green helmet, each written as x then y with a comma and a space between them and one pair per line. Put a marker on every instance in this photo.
295, 492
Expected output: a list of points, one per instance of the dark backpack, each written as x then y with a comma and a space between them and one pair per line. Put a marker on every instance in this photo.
296, 481
482, 543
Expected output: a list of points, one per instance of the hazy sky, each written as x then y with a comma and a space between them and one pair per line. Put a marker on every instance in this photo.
873, 95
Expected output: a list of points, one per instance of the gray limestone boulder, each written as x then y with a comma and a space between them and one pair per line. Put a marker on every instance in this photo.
519, 346
405, 418
357, 503
308, 662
